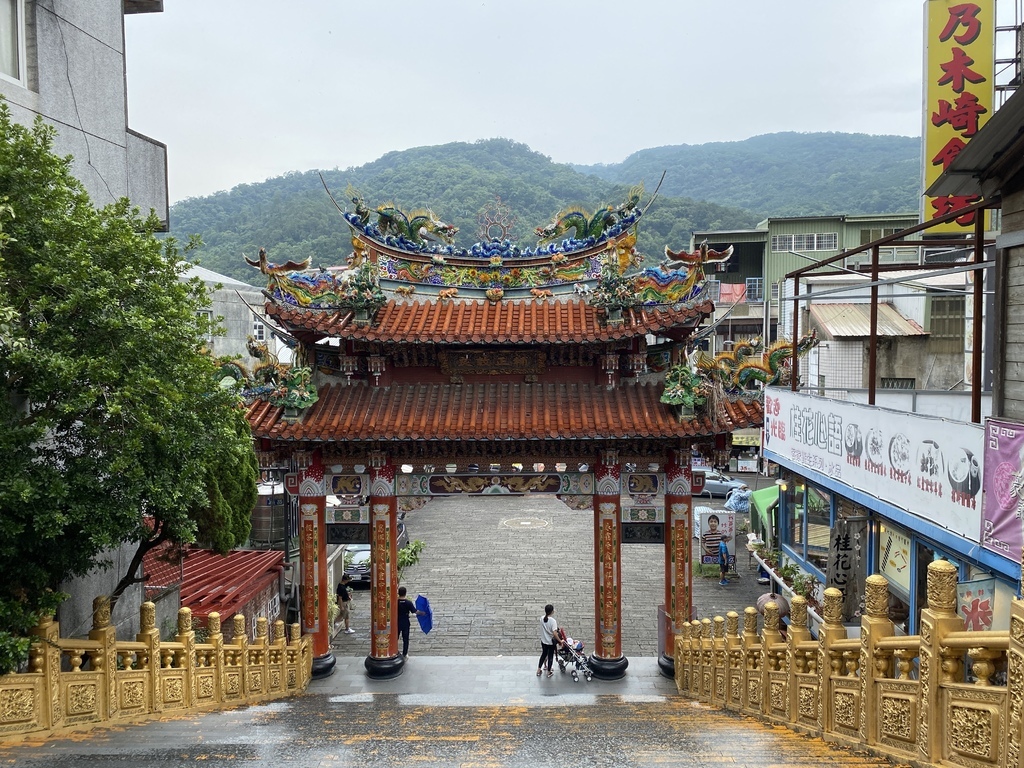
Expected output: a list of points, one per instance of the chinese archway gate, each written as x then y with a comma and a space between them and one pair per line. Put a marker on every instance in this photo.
489, 369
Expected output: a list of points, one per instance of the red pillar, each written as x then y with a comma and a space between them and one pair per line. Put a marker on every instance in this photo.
607, 661
678, 555
384, 660
313, 557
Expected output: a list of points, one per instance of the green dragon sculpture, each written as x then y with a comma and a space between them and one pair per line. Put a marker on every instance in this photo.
417, 227
587, 225
749, 365
269, 379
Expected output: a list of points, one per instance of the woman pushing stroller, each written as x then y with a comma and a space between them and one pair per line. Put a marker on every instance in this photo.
549, 638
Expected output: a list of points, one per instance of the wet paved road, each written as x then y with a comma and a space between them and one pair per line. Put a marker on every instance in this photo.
453, 711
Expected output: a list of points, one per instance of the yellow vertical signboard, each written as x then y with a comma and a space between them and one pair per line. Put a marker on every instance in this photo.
959, 93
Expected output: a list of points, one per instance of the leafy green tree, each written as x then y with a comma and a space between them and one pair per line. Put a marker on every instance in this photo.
113, 429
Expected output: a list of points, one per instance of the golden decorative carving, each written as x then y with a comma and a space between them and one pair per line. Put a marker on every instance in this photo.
876, 596
213, 623
844, 709
205, 687
833, 608
174, 690
261, 627
275, 679
81, 699
279, 631
754, 691
897, 718
971, 731
777, 695
719, 627
184, 621
942, 576
798, 611
147, 615
750, 621
17, 705
732, 623
771, 616
101, 612
720, 686
133, 694
256, 680
493, 362
238, 626
808, 702
295, 632
233, 683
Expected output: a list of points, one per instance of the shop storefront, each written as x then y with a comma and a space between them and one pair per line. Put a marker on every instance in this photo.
866, 490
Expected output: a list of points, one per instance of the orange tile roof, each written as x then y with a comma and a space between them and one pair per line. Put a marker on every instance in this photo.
503, 322
492, 412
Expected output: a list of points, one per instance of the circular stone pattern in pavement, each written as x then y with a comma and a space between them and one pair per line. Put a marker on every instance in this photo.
522, 523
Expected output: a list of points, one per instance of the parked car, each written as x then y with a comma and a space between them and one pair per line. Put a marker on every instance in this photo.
718, 484
357, 557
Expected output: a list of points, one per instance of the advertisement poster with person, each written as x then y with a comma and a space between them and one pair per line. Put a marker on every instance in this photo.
717, 527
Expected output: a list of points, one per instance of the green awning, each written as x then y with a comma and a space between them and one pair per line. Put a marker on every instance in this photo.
763, 501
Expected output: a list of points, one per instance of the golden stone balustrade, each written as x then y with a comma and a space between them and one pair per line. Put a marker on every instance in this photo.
100, 680
946, 696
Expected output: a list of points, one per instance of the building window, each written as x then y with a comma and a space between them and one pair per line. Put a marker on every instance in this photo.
870, 235
898, 383
755, 289
822, 241
12, 40
259, 331
947, 326
714, 290
808, 524
207, 315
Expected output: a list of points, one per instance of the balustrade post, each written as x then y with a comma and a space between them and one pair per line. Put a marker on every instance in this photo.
44, 658
104, 660
770, 635
937, 621
707, 660
150, 635
278, 653
831, 630
216, 639
733, 659
241, 642
187, 637
261, 674
719, 668
874, 625
1014, 716
795, 660
750, 680
681, 657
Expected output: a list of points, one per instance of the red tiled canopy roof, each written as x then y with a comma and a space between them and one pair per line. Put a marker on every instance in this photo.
492, 412
484, 322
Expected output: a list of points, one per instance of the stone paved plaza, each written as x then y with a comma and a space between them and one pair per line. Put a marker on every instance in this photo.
490, 563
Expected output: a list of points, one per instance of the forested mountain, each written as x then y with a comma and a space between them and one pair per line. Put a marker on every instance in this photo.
293, 218
786, 174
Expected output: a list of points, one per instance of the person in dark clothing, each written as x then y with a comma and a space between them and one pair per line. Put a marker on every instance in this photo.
344, 594
406, 607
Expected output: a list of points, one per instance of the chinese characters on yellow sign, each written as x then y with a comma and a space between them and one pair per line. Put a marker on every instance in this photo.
959, 92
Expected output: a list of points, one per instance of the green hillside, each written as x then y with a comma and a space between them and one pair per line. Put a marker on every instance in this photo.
293, 218
787, 174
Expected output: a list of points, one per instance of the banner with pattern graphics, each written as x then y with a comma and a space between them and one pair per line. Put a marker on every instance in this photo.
928, 466
1004, 488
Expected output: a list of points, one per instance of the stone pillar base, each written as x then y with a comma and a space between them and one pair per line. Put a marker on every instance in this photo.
667, 665
608, 669
323, 666
384, 669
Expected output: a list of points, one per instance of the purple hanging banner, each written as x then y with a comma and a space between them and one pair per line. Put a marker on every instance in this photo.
1004, 488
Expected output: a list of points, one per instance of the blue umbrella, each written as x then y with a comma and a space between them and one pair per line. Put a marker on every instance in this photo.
427, 619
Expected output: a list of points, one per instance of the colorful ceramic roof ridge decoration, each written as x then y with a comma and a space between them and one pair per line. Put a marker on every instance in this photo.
748, 366
269, 380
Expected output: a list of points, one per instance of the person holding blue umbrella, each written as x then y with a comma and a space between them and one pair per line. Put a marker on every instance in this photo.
406, 608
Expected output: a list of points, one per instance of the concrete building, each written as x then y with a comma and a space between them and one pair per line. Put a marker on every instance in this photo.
64, 61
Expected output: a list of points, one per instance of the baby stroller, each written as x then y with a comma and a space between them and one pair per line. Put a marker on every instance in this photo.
570, 654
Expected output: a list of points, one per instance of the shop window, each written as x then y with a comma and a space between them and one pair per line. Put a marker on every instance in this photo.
819, 527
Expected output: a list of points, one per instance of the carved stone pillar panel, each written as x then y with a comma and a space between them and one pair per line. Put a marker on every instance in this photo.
384, 660
678, 545
608, 661
313, 560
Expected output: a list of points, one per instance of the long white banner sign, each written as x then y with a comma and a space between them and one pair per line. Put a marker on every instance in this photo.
930, 467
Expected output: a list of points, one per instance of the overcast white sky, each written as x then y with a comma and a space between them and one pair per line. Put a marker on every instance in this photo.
244, 90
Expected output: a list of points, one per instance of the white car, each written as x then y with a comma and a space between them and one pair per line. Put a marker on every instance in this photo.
718, 484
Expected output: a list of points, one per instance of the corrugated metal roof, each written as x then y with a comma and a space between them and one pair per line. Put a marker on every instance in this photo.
225, 583
854, 320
